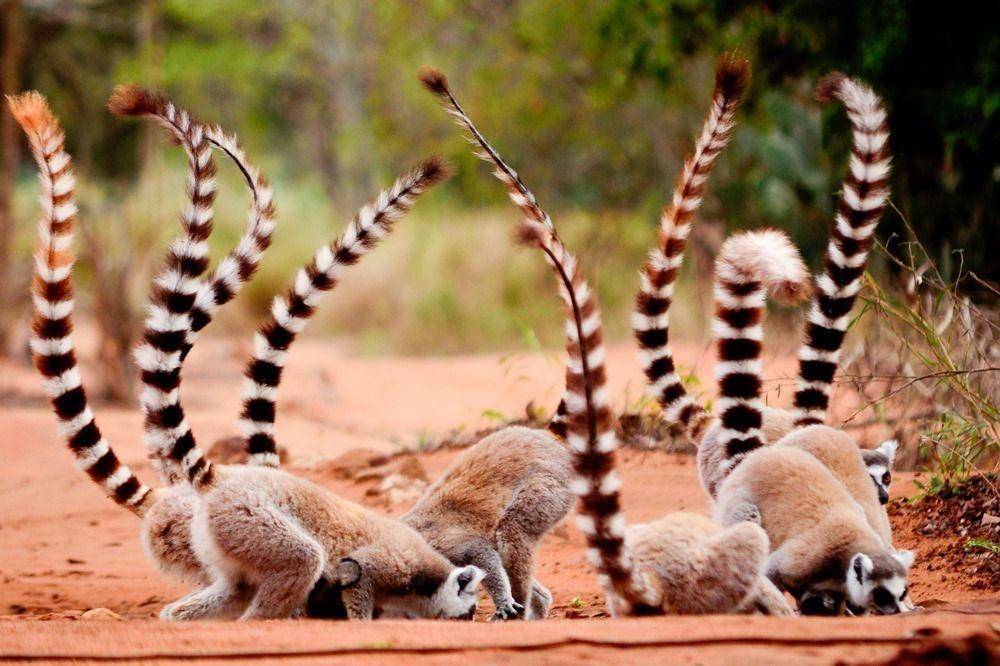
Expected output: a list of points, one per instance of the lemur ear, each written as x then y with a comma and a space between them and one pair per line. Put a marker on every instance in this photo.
905, 557
861, 567
888, 449
348, 571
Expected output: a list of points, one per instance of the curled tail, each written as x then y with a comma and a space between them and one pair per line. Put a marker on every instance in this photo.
864, 196
749, 266
290, 313
239, 266
167, 433
52, 342
651, 319
589, 427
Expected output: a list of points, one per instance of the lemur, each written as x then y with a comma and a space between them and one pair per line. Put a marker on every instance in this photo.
825, 552
495, 502
845, 259
165, 512
412, 579
879, 462
498, 482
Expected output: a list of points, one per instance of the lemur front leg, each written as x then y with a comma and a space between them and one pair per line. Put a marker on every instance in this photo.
479, 552
357, 587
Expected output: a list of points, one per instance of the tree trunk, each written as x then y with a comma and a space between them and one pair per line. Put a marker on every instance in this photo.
11, 55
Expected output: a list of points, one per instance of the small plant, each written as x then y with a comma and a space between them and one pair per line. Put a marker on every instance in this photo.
930, 365
984, 544
577, 602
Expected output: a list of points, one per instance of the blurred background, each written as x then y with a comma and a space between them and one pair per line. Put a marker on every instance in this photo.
595, 102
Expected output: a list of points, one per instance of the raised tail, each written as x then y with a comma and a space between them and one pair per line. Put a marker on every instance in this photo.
167, 433
589, 427
436, 82
52, 343
651, 319
589, 430
750, 265
864, 196
290, 313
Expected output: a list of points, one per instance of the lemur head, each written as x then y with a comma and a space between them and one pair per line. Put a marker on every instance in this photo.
447, 593
879, 464
878, 583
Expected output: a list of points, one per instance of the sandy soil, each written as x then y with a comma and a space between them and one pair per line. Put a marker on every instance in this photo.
64, 549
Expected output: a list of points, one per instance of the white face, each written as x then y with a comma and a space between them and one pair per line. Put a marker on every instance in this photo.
455, 599
882, 595
882, 478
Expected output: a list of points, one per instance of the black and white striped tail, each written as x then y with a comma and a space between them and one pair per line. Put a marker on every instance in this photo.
167, 433
52, 291
585, 416
749, 266
290, 313
651, 319
864, 196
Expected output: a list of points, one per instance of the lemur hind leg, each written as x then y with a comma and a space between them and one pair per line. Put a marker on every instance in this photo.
541, 601
220, 599
479, 552
274, 552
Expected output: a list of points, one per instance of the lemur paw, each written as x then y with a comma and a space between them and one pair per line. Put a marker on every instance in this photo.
507, 610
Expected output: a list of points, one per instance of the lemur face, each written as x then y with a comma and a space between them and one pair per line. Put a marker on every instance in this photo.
878, 586
451, 599
879, 464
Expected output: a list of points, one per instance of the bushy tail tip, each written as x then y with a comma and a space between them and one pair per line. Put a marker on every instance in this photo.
31, 111
131, 100
436, 169
433, 79
732, 74
828, 88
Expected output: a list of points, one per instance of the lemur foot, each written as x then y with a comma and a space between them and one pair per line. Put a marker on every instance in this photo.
507, 610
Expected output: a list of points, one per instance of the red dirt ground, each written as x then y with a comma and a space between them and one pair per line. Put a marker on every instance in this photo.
64, 549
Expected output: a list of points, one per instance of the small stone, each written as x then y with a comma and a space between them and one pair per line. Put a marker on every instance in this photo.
990, 519
101, 614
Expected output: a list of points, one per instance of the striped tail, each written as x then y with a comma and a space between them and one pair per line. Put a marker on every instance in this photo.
239, 266
651, 319
52, 342
590, 430
587, 419
749, 266
864, 196
167, 433
289, 314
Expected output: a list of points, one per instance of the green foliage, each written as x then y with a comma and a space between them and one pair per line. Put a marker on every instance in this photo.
984, 544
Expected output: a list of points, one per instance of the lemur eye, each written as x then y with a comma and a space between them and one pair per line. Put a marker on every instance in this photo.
887, 478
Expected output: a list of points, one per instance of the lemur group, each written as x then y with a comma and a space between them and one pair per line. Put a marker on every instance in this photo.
798, 506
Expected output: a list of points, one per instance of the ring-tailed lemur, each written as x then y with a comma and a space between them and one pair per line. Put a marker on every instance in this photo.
270, 536
825, 551
879, 463
414, 580
165, 512
651, 320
